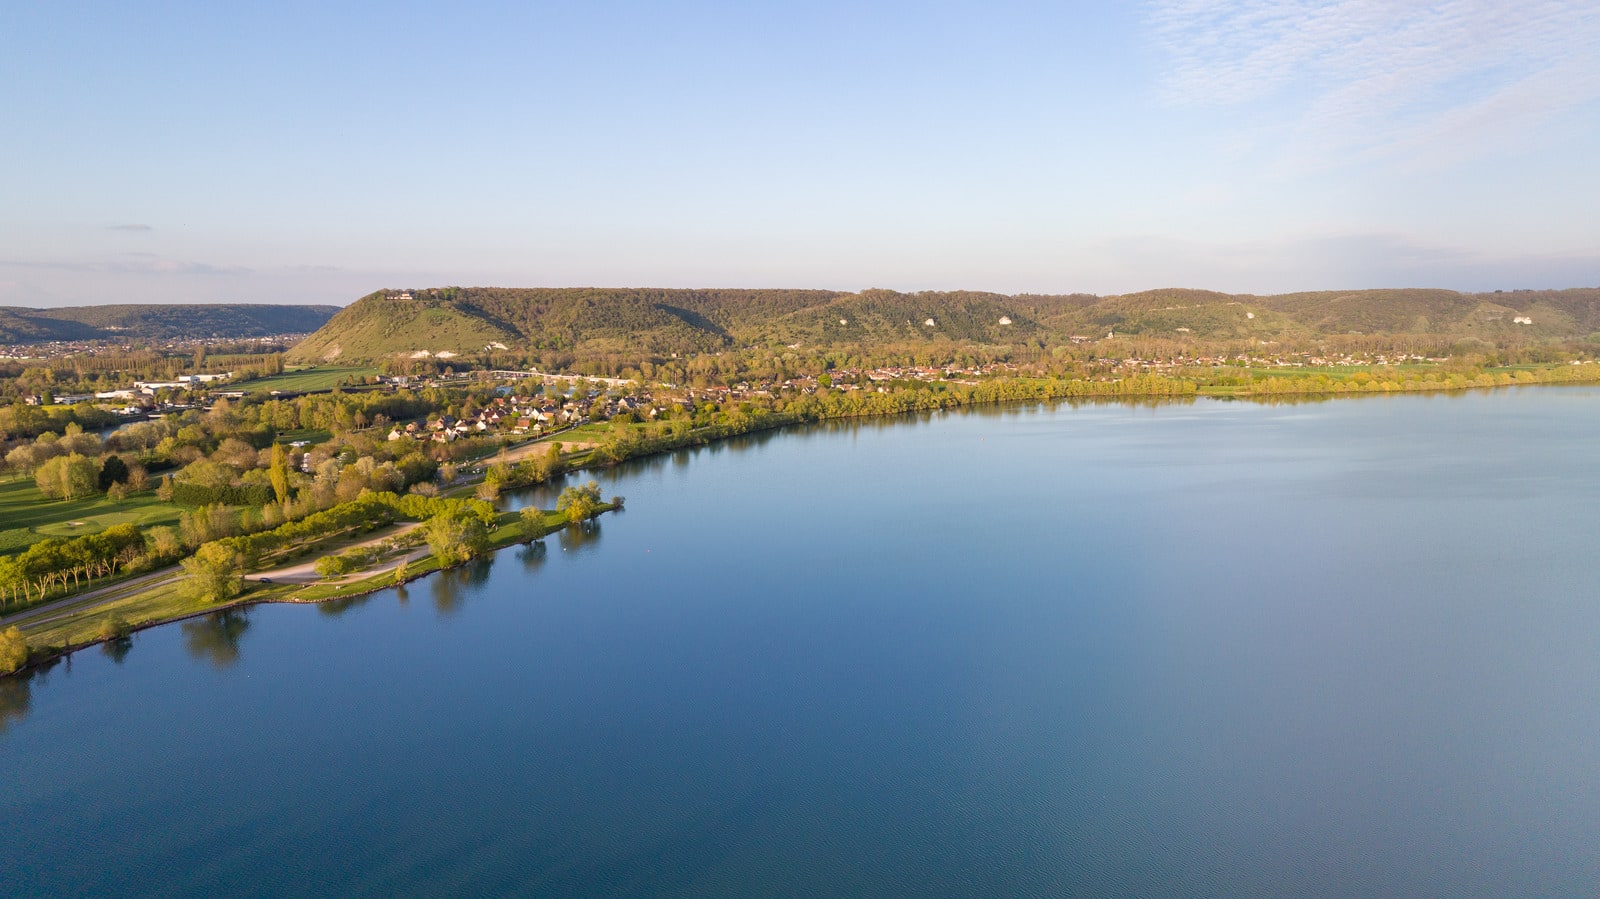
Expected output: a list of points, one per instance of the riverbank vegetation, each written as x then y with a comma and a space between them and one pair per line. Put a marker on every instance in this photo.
217, 482
217, 576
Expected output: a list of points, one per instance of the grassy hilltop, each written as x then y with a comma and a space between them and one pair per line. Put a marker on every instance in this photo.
463, 321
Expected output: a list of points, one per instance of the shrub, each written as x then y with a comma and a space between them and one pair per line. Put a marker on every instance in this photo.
13, 650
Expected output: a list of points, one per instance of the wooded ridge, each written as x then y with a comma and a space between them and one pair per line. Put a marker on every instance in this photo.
453, 321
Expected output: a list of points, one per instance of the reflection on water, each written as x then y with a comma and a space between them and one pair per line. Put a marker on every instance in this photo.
333, 608
16, 698
117, 650
580, 537
1046, 651
533, 556
215, 638
449, 588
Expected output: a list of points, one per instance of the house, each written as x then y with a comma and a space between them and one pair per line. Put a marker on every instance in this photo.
396, 433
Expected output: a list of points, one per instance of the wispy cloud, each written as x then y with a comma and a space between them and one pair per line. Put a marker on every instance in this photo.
128, 264
129, 227
151, 278
1366, 78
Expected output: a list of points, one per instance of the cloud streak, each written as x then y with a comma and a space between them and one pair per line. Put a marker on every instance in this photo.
129, 264
129, 227
1372, 79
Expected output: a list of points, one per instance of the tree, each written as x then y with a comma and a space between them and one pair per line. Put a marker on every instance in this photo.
164, 542
532, 521
22, 458
214, 573
580, 503
13, 650
113, 471
456, 536
68, 477
279, 473
114, 628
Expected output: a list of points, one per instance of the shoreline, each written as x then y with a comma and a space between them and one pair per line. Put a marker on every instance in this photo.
366, 586
376, 579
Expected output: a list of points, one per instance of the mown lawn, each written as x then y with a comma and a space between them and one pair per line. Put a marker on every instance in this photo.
23, 509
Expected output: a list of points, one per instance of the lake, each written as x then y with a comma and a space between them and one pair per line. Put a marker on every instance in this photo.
1212, 648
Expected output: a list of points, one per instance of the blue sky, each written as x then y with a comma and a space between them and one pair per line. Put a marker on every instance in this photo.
313, 153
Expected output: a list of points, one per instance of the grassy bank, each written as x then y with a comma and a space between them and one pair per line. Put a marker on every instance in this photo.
167, 603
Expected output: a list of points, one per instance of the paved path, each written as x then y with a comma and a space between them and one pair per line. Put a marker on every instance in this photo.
300, 573
306, 572
79, 601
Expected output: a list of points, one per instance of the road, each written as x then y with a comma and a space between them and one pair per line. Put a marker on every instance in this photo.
79, 601
300, 573
306, 573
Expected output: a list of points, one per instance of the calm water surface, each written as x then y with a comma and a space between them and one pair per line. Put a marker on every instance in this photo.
1346, 648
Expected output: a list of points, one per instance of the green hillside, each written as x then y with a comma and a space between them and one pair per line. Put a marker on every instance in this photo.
380, 325
153, 321
463, 321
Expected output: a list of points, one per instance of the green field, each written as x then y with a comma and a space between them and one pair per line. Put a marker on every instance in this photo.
24, 510
314, 435
315, 377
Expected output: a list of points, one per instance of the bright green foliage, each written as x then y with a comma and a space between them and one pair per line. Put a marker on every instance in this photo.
580, 503
353, 559
68, 477
113, 628
13, 650
532, 520
214, 573
456, 536
279, 472
54, 562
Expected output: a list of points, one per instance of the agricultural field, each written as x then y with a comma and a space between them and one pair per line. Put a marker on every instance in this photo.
311, 378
